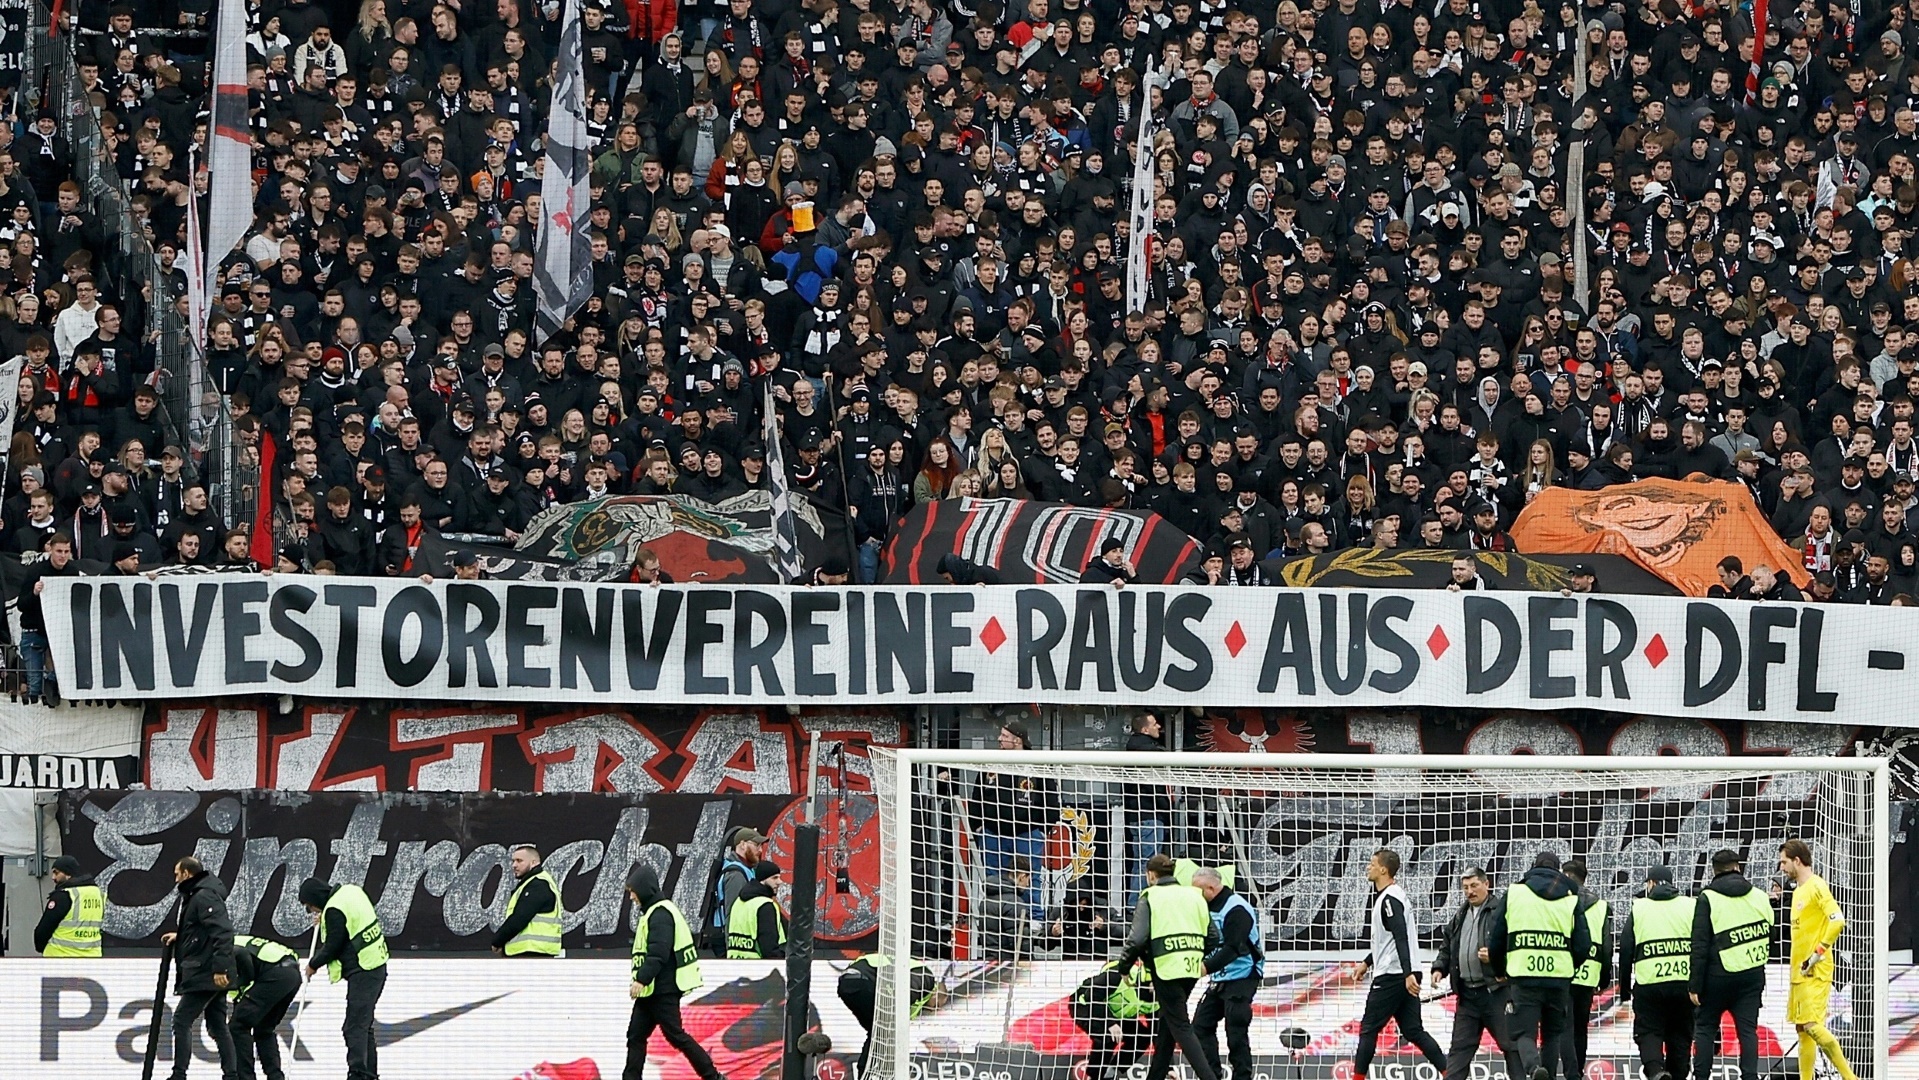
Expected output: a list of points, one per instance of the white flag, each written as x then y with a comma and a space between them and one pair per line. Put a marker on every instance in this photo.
10, 379
230, 145
563, 268
786, 531
1142, 215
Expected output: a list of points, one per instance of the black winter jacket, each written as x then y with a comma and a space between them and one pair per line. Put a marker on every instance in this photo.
205, 945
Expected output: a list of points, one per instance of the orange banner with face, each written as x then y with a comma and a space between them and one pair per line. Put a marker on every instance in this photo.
1676, 530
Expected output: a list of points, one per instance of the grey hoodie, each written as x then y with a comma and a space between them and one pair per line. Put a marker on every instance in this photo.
1482, 413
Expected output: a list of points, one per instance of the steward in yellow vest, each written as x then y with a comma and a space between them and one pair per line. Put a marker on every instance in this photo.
1655, 963
1731, 943
1595, 974
352, 947
1115, 1009
756, 927
70, 925
666, 966
533, 915
1172, 931
268, 981
1539, 941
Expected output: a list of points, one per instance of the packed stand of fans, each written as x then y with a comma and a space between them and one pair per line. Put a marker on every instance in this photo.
1361, 326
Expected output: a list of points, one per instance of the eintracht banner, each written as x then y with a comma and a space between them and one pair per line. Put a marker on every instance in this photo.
213, 635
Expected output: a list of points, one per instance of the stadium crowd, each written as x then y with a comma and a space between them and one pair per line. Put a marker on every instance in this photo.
1362, 326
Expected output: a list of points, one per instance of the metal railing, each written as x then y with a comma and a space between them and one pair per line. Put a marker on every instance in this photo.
126, 261
192, 410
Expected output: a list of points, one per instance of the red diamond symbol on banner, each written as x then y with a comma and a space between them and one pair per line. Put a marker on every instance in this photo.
991, 635
1235, 639
1656, 651
1437, 642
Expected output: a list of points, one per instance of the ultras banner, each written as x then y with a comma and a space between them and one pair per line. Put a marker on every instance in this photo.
433, 746
437, 865
119, 638
46, 749
500, 1019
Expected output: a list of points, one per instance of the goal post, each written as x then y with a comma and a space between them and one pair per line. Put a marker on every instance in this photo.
1009, 877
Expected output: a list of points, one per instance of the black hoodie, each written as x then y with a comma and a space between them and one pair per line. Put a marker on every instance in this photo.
655, 964
1547, 884
1705, 958
1661, 890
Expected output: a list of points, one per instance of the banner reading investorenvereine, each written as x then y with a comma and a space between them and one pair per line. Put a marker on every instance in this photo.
216, 635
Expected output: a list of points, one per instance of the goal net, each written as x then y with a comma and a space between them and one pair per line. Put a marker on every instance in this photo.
1010, 877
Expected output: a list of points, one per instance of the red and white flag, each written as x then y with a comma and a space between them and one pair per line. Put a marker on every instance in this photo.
1758, 71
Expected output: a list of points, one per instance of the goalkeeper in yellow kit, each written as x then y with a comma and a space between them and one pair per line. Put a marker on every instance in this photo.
1817, 923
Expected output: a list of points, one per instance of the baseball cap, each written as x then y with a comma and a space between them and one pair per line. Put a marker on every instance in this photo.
746, 834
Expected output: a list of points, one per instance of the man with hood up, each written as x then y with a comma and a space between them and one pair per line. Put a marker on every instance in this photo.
1485, 415
352, 947
1731, 941
1539, 941
1655, 945
666, 966
203, 948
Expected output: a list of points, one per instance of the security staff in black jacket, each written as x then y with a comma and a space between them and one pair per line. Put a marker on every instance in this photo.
1236, 968
1655, 963
75, 902
352, 947
757, 928
204, 967
1595, 974
1731, 942
1481, 995
665, 967
1173, 932
1538, 942
1115, 1009
268, 981
534, 901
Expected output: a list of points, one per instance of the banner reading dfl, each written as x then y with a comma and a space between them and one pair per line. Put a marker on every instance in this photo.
117, 638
